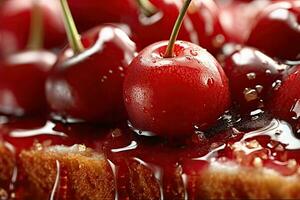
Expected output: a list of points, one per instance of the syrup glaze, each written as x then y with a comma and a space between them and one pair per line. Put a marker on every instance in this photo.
261, 142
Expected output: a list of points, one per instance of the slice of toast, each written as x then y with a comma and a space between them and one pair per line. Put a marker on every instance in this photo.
81, 173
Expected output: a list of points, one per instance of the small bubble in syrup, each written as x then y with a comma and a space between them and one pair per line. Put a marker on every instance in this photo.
121, 68
110, 71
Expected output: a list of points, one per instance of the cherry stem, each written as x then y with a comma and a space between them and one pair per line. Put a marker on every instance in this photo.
36, 34
72, 33
147, 7
176, 29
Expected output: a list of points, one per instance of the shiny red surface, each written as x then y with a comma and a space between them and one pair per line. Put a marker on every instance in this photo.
88, 86
237, 17
277, 32
261, 142
286, 100
15, 20
91, 13
22, 80
251, 75
204, 17
189, 90
150, 29
201, 25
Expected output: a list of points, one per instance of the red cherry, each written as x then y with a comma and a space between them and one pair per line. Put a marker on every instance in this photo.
285, 102
86, 82
277, 31
172, 88
204, 16
171, 96
22, 79
15, 22
237, 17
155, 24
90, 13
251, 75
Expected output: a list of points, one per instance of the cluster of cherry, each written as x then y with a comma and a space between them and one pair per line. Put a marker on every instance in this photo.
169, 87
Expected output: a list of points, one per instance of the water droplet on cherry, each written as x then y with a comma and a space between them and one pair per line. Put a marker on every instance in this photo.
250, 94
296, 110
251, 75
259, 88
276, 85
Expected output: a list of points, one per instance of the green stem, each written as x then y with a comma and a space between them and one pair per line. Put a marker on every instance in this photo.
36, 34
178, 23
72, 33
147, 7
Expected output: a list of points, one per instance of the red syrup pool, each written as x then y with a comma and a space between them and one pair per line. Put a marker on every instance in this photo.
261, 142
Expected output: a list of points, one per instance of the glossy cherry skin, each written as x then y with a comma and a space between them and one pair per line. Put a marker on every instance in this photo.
90, 13
149, 29
15, 21
174, 96
237, 17
88, 86
204, 17
251, 75
22, 80
277, 31
285, 102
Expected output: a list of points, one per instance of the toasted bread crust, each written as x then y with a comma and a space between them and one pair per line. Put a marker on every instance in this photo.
247, 183
88, 175
7, 163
